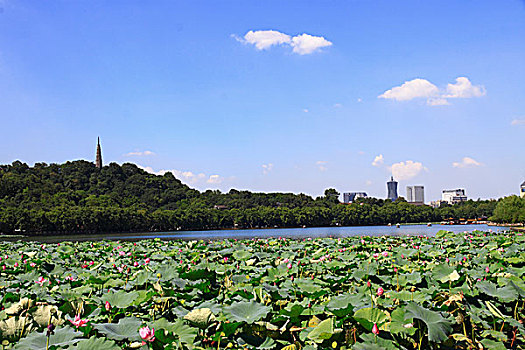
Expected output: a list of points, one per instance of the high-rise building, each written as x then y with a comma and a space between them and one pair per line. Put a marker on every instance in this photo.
522, 190
416, 194
98, 162
454, 196
392, 189
349, 197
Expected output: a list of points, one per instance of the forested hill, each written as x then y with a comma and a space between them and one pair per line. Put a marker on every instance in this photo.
78, 197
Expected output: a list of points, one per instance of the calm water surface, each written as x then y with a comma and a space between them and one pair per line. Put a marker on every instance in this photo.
279, 232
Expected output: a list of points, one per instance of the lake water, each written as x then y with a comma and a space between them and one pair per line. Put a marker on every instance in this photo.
278, 232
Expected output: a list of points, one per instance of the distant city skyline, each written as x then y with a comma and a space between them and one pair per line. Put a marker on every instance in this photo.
274, 96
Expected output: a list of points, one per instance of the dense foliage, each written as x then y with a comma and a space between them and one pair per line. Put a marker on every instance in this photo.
452, 291
78, 197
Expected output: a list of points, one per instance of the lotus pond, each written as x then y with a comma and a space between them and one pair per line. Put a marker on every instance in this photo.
450, 291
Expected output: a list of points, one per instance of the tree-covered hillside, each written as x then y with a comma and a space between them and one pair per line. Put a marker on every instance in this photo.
78, 197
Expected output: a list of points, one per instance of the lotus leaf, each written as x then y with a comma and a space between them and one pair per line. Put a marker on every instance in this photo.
438, 327
247, 311
126, 328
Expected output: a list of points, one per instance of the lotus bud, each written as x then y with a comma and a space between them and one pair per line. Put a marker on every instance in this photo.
375, 330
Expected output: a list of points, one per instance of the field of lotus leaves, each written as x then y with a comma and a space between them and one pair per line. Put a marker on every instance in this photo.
450, 291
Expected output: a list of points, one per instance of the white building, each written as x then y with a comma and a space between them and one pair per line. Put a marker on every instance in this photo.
522, 190
416, 194
454, 196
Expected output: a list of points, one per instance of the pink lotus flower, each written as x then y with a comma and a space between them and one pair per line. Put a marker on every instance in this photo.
147, 334
77, 322
40, 280
135, 264
447, 260
225, 259
16, 264
286, 260
289, 266
375, 330
380, 291
487, 270
385, 254
395, 269
107, 306
147, 260
368, 284
32, 264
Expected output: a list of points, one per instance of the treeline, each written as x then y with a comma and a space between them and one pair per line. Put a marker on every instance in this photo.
78, 197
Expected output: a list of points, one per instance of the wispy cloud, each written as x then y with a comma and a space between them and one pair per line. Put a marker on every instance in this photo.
267, 168
139, 154
188, 177
378, 161
517, 122
423, 89
321, 164
303, 44
467, 162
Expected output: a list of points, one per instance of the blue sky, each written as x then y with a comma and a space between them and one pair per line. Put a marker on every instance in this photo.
232, 94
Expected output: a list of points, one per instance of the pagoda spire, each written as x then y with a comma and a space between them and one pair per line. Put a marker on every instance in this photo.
98, 162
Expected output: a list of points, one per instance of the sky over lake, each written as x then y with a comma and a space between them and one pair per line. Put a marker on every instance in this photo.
288, 96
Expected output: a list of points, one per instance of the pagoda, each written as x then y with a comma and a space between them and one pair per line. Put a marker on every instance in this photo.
98, 162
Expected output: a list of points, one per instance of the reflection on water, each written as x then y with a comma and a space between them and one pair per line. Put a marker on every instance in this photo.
279, 232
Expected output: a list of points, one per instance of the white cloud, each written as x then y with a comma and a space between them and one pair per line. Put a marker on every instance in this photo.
361, 153
466, 162
406, 170
422, 88
306, 110
437, 101
518, 122
322, 165
264, 39
139, 154
338, 105
378, 160
305, 44
368, 182
188, 177
267, 168
359, 99
415, 88
463, 88
214, 179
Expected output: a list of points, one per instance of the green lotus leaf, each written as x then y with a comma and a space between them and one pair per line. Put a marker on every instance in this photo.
247, 311
126, 328
61, 337
371, 342
241, 255
445, 273
120, 299
493, 345
95, 343
438, 327
323, 331
341, 305
400, 323
368, 316
181, 331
